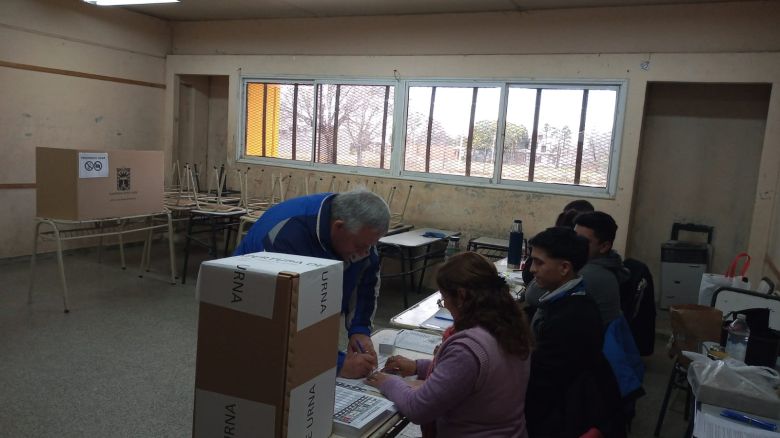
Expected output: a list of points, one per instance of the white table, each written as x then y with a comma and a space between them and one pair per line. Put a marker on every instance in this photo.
404, 245
412, 317
395, 423
63, 230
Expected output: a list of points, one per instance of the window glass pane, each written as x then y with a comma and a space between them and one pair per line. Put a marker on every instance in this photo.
449, 130
556, 148
270, 111
356, 139
484, 143
597, 144
521, 104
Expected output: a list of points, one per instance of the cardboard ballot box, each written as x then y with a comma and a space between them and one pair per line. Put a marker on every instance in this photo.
267, 346
77, 184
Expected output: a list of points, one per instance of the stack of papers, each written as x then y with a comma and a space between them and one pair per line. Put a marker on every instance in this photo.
357, 410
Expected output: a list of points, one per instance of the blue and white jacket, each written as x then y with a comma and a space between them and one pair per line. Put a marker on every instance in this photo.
301, 226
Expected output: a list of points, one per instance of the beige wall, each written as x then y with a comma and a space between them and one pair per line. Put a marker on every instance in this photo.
59, 110
699, 160
721, 42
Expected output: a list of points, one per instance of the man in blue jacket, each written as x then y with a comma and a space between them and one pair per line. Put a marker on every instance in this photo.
343, 226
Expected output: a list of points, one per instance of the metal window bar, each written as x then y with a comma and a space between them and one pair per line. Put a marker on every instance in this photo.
317, 105
265, 114
384, 129
294, 121
336, 124
534, 135
430, 131
470, 140
581, 138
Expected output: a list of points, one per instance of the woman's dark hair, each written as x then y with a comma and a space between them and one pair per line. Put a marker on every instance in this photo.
486, 301
571, 211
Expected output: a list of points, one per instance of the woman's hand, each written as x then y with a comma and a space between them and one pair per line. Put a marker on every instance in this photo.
400, 365
376, 379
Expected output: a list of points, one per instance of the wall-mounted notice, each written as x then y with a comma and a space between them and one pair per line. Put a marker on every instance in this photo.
93, 164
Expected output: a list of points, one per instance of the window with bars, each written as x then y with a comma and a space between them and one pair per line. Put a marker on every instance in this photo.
479, 132
343, 124
551, 135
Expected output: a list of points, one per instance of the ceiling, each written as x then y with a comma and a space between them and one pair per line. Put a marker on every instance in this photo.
198, 10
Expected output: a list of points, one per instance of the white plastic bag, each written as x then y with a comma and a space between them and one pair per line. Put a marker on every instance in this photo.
731, 384
712, 282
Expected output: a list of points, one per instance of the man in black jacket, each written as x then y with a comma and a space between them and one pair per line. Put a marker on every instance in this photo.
571, 388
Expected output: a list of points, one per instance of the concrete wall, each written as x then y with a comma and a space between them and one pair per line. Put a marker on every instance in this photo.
64, 73
712, 43
699, 160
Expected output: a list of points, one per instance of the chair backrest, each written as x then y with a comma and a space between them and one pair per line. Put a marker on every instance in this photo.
693, 324
730, 299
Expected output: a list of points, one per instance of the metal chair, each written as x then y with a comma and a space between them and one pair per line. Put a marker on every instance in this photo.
692, 324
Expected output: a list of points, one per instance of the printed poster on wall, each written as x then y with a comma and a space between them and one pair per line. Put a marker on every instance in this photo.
93, 164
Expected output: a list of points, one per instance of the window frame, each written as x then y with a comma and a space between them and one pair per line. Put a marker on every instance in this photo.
398, 133
243, 157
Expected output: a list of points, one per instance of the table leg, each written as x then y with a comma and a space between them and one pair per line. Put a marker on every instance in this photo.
171, 253
33, 260
61, 265
228, 232
241, 232
121, 251
187, 249
424, 267
213, 252
410, 273
100, 242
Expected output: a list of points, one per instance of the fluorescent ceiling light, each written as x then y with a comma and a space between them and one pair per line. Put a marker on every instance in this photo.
127, 2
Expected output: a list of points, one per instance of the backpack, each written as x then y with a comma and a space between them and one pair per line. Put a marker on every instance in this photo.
637, 300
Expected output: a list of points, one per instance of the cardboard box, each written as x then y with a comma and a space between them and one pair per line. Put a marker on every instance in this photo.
81, 185
267, 346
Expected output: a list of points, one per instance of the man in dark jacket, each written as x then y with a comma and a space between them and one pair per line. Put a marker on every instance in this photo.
571, 388
343, 226
604, 271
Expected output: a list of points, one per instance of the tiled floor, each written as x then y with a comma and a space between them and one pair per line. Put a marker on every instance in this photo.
122, 363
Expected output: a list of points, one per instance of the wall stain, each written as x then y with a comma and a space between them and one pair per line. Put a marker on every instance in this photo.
98, 119
26, 115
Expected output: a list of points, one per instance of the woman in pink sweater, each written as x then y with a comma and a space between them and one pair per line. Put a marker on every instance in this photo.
475, 385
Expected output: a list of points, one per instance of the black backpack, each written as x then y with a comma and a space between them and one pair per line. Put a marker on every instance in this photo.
637, 300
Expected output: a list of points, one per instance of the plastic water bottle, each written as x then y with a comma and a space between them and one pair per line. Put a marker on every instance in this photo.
737, 341
515, 255
452, 247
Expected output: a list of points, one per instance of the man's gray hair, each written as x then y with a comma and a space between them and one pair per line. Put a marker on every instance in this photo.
360, 208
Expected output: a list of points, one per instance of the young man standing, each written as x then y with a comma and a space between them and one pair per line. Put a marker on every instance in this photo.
604, 271
343, 226
571, 388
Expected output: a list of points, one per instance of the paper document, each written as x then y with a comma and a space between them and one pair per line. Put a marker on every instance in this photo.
417, 341
709, 425
440, 321
356, 410
360, 383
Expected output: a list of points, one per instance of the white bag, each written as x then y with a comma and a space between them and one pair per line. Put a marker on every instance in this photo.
732, 384
712, 282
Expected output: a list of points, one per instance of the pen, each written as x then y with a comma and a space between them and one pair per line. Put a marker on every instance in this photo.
360, 346
738, 416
